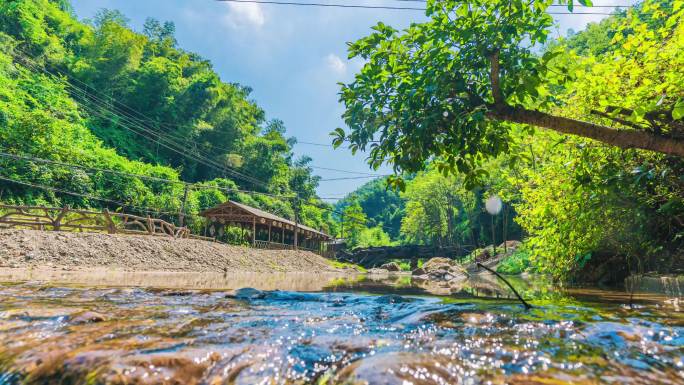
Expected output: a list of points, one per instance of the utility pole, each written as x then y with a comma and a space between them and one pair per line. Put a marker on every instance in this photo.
181, 212
296, 218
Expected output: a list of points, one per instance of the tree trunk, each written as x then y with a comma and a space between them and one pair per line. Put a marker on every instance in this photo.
620, 138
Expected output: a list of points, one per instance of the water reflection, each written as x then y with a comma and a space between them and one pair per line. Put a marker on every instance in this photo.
176, 280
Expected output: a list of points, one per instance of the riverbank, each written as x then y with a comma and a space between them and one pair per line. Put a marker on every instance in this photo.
84, 251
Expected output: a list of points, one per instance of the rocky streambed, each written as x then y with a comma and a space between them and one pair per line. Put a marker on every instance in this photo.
341, 335
449, 276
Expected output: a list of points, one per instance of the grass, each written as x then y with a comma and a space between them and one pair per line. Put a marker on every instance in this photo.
347, 265
403, 265
406, 265
516, 263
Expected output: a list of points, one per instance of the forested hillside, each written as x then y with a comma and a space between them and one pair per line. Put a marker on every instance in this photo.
97, 94
577, 202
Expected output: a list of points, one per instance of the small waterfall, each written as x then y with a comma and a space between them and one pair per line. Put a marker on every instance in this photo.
672, 290
668, 285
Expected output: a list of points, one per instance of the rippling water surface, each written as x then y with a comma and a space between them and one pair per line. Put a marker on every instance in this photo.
350, 331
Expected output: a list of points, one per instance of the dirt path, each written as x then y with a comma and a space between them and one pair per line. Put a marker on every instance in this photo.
82, 251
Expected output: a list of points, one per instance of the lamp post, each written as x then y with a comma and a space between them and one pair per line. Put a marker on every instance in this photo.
493, 206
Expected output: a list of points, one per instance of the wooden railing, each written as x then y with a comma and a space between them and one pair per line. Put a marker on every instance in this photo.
68, 219
272, 245
280, 246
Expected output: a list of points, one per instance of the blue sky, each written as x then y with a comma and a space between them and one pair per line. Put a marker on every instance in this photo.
292, 57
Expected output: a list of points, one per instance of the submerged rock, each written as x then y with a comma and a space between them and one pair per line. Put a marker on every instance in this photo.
393, 298
88, 317
248, 293
401, 368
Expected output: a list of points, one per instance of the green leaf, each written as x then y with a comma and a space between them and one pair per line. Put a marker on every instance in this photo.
549, 55
678, 110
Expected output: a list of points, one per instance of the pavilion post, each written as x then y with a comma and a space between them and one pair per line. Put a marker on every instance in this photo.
296, 230
269, 230
254, 231
282, 235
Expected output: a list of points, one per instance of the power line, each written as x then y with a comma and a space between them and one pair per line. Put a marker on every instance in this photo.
168, 144
552, 5
325, 5
346, 171
356, 6
54, 162
126, 121
354, 177
82, 195
150, 135
194, 186
142, 208
315, 144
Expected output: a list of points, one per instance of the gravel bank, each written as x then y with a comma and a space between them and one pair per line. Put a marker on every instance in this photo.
80, 251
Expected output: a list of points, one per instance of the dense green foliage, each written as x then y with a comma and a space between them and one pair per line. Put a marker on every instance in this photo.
434, 210
440, 210
382, 205
581, 204
99, 94
446, 91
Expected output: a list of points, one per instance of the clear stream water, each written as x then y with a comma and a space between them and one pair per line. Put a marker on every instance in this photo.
333, 330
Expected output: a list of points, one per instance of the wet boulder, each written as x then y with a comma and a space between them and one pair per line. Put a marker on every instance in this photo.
248, 293
509, 246
437, 263
419, 271
391, 267
443, 269
490, 257
376, 271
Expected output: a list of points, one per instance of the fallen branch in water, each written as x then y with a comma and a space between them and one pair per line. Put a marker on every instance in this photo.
527, 305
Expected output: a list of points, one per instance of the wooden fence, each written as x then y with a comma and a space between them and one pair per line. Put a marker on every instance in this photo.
68, 219
258, 244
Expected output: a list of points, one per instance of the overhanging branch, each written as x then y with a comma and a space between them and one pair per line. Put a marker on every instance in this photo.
620, 138
494, 78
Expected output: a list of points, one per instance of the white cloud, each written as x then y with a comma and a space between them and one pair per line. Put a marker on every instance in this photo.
336, 64
241, 15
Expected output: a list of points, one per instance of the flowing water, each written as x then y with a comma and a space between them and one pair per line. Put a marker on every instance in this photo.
332, 330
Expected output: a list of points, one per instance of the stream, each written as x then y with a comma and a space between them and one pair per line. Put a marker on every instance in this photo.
303, 329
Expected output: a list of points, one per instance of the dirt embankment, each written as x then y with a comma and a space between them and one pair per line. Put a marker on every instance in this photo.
77, 251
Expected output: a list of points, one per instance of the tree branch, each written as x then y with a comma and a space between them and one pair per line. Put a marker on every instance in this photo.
527, 305
494, 77
620, 138
617, 120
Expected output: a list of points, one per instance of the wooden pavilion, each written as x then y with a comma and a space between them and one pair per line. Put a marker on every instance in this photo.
267, 230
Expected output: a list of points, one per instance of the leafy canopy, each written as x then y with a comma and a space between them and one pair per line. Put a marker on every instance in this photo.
424, 92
